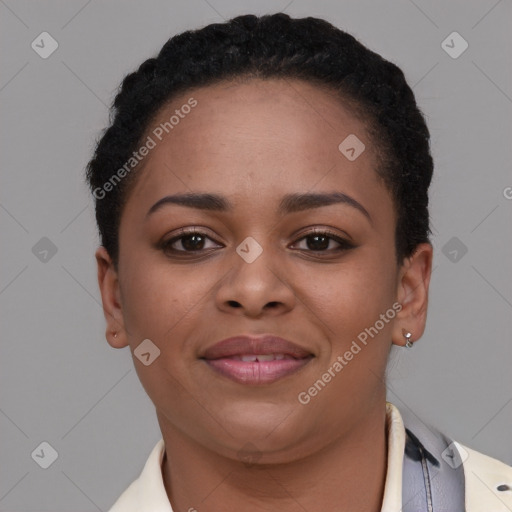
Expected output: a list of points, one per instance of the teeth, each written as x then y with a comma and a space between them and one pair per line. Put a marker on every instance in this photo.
267, 357
252, 358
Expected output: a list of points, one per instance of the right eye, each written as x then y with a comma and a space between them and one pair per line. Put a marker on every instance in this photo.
191, 241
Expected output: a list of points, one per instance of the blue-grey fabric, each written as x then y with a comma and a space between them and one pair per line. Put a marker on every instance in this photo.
429, 483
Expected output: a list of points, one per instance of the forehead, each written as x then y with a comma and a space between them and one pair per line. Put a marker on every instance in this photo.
258, 139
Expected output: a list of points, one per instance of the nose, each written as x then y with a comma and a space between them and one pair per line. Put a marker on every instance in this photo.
256, 288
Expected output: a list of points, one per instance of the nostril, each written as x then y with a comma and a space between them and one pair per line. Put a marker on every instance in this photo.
503, 487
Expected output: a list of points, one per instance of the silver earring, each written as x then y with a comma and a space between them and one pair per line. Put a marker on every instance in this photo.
115, 335
407, 336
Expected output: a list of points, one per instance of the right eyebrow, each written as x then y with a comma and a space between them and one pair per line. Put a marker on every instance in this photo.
212, 202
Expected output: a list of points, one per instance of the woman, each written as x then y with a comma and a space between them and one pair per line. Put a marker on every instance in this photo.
262, 201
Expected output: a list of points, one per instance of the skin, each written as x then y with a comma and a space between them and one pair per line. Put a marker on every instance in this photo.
254, 142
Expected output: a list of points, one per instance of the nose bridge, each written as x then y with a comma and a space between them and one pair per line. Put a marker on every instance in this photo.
252, 264
255, 279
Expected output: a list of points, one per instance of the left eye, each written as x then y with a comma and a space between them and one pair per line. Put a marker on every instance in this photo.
320, 241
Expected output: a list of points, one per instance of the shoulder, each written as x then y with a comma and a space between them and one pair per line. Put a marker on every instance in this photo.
454, 476
128, 501
147, 492
488, 481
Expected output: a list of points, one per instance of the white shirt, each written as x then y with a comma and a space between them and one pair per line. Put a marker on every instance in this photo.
147, 493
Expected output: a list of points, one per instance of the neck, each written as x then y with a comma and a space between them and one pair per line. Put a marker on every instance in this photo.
347, 474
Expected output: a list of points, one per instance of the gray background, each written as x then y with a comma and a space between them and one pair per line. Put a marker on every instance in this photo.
62, 383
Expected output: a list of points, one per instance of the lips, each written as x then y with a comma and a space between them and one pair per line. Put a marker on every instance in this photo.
252, 345
256, 360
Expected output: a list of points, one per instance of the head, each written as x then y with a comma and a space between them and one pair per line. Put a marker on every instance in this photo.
259, 115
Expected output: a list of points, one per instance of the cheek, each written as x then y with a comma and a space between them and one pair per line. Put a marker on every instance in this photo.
160, 299
362, 289
161, 304
350, 302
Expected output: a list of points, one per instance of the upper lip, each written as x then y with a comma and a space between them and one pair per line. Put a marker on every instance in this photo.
252, 345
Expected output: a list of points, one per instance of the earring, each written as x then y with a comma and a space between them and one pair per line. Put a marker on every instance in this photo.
407, 336
115, 335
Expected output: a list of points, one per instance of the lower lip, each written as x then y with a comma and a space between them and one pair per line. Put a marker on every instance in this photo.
263, 372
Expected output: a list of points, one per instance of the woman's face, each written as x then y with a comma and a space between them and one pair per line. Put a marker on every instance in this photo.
256, 268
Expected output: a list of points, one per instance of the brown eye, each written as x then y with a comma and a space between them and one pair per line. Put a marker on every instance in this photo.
324, 241
191, 241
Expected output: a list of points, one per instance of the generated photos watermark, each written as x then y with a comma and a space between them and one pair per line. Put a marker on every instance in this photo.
304, 397
151, 142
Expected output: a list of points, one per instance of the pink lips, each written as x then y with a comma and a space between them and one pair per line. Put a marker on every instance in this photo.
256, 360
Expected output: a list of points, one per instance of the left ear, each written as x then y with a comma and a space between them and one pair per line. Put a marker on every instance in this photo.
412, 294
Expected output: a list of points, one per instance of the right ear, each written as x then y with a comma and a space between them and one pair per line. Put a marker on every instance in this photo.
110, 296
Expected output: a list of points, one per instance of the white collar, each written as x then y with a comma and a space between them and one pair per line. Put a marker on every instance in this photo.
148, 491
392, 500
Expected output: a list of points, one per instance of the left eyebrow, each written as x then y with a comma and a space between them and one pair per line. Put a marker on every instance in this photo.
290, 203
299, 202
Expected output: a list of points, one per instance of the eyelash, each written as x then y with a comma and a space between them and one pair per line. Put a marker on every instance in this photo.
344, 244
